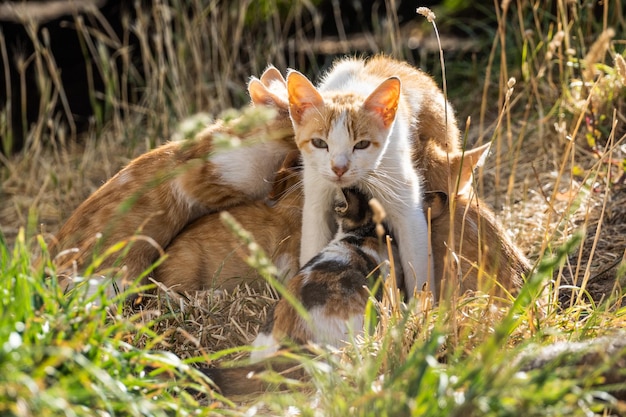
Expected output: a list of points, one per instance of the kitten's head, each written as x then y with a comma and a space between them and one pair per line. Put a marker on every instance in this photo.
352, 209
342, 136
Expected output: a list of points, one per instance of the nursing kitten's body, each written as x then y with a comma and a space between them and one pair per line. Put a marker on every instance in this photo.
151, 200
332, 286
359, 129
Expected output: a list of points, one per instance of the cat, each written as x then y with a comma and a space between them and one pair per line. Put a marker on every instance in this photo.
359, 128
206, 254
153, 198
467, 230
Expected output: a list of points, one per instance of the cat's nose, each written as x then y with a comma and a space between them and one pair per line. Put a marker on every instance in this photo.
339, 170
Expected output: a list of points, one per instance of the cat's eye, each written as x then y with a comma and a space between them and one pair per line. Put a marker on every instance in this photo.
362, 144
319, 143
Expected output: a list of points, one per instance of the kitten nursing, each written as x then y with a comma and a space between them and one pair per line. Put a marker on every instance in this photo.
206, 254
333, 285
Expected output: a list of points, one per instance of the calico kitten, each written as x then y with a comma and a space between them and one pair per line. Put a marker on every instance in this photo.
359, 129
151, 200
333, 285
206, 254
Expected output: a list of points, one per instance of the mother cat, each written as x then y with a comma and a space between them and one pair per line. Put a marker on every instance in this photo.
360, 128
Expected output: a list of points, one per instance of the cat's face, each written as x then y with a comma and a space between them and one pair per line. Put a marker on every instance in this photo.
342, 136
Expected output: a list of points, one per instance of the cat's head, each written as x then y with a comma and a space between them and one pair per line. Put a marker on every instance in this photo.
352, 209
342, 135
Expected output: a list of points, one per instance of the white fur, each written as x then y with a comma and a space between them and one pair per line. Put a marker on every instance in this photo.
286, 265
318, 225
250, 167
332, 330
265, 345
180, 195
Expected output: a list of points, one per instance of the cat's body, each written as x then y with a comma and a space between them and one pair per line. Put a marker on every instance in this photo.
360, 128
332, 286
151, 200
206, 254
487, 259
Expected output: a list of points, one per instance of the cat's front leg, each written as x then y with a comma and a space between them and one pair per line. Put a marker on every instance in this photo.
317, 227
411, 231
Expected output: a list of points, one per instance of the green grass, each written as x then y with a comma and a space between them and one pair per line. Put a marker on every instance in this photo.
78, 354
73, 354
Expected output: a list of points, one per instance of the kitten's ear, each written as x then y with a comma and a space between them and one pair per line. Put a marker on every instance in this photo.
383, 102
270, 95
463, 164
436, 201
341, 203
271, 76
302, 95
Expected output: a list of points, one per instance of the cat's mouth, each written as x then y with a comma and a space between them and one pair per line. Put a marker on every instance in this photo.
342, 182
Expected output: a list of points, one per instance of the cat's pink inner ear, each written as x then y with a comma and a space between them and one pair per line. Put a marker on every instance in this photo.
261, 96
384, 101
302, 96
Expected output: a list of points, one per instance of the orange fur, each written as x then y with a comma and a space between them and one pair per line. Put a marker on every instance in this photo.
206, 254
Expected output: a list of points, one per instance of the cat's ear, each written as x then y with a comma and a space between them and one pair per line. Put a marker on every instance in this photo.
273, 94
463, 165
302, 95
272, 77
383, 102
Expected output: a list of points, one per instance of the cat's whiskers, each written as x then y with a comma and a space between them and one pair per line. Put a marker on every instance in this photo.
383, 189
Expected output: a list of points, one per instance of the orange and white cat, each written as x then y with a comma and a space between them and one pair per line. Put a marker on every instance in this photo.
151, 200
359, 128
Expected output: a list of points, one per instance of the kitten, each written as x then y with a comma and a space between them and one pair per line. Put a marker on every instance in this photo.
333, 285
206, 254
359, 129
151, 200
